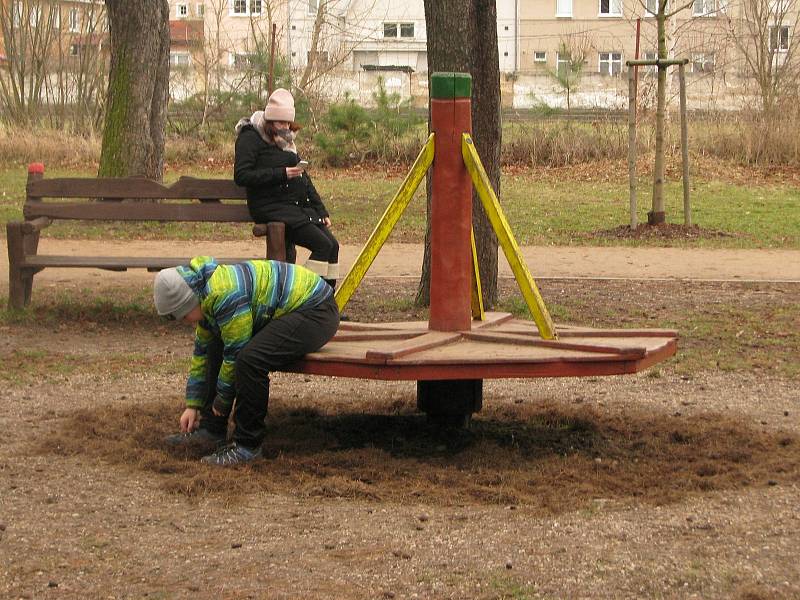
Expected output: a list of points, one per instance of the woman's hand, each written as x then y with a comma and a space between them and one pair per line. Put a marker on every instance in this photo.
326, 221
292, 172
190, 419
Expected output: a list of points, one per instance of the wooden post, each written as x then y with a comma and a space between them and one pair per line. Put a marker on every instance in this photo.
271, 81
451, 204
687, 208
450, 402
636, 67
22, 242
632, 144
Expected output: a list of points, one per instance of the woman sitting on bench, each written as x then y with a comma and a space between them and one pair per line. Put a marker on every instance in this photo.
278, 188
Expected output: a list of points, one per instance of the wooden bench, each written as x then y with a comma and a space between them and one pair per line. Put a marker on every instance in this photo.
190, 199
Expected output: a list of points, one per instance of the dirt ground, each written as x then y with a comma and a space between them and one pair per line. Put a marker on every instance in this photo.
656, 485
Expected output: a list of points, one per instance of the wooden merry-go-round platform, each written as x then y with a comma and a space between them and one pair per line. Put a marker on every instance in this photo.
500, 346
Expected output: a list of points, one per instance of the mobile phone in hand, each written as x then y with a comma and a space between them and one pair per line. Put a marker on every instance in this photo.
303, 164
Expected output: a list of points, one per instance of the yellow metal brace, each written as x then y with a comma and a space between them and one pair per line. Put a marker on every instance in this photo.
385, 225
506, 238
476, 301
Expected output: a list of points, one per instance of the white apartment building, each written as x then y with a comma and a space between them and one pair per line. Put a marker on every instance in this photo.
360, 40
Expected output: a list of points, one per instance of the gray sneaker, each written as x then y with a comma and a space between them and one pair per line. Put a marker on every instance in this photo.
199, 439
232, 455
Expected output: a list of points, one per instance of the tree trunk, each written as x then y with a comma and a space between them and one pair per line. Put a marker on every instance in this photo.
462, 37
138, 87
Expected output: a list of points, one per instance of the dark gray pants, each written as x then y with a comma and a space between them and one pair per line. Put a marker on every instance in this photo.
280, 342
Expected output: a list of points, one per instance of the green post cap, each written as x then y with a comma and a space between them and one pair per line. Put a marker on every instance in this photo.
445, 86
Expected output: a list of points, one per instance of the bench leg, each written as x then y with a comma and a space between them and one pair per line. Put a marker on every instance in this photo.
279, 247
20, 278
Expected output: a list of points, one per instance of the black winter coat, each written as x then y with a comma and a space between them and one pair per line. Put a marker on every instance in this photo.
261, 168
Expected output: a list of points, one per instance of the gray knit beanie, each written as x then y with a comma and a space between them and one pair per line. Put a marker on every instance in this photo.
172, 295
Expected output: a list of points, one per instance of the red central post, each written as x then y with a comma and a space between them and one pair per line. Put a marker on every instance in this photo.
451, 204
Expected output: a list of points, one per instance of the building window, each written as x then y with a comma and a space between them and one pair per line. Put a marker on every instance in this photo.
610, 8
703, 62
610, 63
73, 20
312, 6
179, 59
562, 63
243, 8
563, 8
55, 17
779, 38
181, 11
390, 30
651, 6
73, 49
200, 10
540, 56
704, 8
406, 30
320, 57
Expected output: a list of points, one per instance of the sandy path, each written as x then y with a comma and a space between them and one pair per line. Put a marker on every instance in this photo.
405, 260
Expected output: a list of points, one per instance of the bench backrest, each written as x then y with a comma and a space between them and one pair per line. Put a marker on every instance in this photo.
188, 199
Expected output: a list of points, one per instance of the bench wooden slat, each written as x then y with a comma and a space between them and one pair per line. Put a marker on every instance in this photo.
138, 211
190, 199
117, 263
135, 187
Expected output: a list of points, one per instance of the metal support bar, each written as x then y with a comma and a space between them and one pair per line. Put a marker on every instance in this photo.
477, 293
385, 225
506, 239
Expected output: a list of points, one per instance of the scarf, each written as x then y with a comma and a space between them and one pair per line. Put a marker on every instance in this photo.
284, 138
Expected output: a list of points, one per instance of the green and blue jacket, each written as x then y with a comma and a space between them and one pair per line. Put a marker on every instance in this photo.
237, 301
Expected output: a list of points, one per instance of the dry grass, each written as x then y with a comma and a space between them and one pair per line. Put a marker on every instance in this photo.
741, 138
552, 458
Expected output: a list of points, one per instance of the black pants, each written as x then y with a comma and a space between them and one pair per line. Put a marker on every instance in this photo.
317, 238
279, 343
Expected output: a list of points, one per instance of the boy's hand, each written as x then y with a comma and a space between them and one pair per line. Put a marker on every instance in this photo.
190, 419
326, 221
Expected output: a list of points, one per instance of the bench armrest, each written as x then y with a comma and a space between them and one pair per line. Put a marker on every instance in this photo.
36, 225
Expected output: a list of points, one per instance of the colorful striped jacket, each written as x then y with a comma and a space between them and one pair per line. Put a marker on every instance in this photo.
237, 301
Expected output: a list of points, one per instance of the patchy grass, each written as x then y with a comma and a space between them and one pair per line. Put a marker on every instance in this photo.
21, 367
541, 208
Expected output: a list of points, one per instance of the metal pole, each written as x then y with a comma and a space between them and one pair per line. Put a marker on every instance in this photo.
632, 144
271, 82
687, 208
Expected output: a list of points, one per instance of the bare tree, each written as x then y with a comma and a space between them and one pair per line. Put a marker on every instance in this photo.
29, 35
55, 67
462, 37
765, 32
339, 27
138, 87
77, 87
